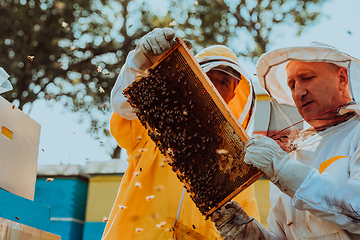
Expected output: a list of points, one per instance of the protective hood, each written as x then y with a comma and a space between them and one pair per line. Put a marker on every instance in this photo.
271, 69
219, 57
285, 121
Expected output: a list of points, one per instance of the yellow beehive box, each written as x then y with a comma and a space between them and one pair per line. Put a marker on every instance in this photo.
104, 182
19, 149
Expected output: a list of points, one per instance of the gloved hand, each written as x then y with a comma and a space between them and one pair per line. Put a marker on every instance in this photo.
266, 155
153, 46
231, 211
232, 222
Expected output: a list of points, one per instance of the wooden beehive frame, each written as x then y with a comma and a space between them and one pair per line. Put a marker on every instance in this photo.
222, 106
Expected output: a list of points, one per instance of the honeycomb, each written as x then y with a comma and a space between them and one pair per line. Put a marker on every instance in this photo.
193, 128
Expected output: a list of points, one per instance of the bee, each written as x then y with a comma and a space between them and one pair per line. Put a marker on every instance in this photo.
160, 224
49, 179
137, 230
148, 198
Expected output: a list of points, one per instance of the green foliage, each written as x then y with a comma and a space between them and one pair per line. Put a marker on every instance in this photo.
246, 26
80, 46
34, 28
68, 50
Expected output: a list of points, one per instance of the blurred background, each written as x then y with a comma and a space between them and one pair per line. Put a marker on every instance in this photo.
63, 56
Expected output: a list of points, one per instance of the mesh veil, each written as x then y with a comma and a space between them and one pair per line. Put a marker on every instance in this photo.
282, 124
285, 123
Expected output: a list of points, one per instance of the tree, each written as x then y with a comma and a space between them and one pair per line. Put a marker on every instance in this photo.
73, 50
68, 50
243, 25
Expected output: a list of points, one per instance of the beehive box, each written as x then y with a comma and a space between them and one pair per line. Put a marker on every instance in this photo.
64, 188
192, 125
104, 181
24, 211
11, 230
19, 148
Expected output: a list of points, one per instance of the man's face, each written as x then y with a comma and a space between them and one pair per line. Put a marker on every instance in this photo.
225, 84
316, 87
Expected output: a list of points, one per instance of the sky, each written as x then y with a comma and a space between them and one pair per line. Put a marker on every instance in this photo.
64, 141
339, 26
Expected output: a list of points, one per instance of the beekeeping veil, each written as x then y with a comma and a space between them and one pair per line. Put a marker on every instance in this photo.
271, 72
221, 58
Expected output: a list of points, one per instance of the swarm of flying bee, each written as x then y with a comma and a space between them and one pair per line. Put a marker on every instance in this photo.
188, 127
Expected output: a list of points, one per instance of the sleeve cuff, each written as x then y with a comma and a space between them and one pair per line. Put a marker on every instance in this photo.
292, 175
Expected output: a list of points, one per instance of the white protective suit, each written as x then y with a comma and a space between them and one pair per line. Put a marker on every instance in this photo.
327, 203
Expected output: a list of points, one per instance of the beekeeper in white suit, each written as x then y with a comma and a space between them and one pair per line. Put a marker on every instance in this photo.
316, 187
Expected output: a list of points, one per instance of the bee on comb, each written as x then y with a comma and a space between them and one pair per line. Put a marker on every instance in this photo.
193, 127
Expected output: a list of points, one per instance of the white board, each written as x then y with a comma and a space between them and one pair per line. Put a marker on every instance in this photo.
19, 150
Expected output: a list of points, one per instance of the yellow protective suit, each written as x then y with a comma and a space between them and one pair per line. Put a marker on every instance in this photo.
147, 205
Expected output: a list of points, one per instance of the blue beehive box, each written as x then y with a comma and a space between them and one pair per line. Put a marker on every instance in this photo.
25, 211
64, 189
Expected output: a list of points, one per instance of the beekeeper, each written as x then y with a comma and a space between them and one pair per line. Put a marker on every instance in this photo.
316, 186
152, 203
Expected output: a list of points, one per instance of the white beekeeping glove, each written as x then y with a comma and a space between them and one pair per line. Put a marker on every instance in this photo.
153, 46
266, 155
5, 84
233, 223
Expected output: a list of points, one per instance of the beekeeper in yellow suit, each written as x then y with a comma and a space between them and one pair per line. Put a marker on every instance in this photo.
152, 203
